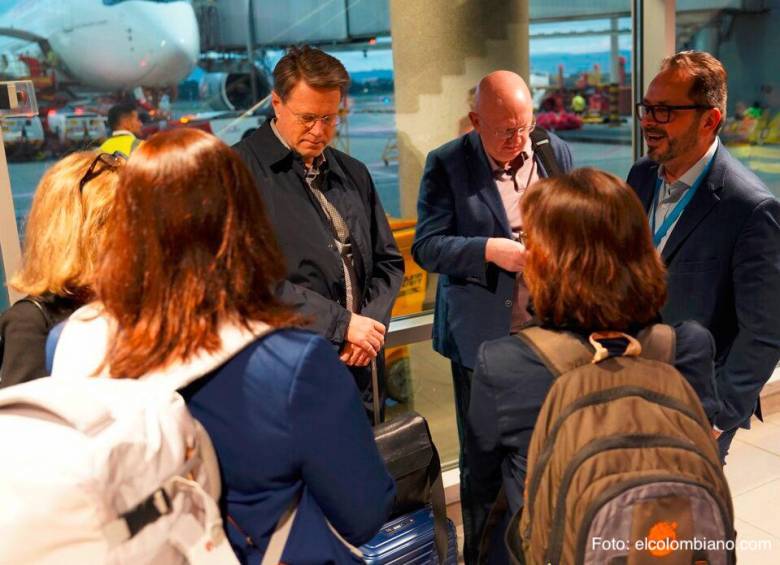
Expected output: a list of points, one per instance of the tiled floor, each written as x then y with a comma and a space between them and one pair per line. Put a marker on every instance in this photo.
753, 472
753, 468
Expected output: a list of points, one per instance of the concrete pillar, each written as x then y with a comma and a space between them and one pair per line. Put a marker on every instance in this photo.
653, 25
442, 48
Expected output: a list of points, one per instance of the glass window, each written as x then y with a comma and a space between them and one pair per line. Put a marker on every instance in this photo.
581, 82
114, 2
419, 379
746, 41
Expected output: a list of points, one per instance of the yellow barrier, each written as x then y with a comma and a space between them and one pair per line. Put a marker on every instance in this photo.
410, 301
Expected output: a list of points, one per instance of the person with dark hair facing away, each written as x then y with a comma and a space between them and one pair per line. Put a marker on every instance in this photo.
717, 228
343, 268
125, 126
61, 251
590, 267
190, 253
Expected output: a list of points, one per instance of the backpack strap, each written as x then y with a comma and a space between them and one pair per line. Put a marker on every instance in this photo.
659, 342
563, 351
540, 141
42, 308
559, 351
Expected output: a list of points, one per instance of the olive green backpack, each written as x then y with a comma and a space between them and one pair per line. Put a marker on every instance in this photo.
622, 467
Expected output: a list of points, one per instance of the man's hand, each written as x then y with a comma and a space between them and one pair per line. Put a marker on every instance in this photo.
353, 356
716, 433
366, 333
506, 253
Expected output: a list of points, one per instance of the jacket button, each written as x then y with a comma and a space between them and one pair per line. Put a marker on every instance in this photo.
508, 303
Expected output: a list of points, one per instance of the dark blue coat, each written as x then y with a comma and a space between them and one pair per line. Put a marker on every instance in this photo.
509, 387
285, 416
723, 258
458, 210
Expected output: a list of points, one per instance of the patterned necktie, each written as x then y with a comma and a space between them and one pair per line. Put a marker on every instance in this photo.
341, 234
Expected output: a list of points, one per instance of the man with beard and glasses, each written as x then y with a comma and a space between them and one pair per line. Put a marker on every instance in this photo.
717, 228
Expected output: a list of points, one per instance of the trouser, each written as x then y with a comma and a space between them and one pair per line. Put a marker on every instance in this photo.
725, 439
474, 514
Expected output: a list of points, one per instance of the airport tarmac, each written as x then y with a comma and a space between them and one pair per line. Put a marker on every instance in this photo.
371, 127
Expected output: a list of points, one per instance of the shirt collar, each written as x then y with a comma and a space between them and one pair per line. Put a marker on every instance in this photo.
318, 160
690, 176
498, 169
122, 132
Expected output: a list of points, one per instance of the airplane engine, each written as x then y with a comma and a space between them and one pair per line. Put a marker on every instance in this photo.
232, 91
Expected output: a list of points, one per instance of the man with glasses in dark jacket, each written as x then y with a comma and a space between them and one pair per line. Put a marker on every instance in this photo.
343, 266
717, 228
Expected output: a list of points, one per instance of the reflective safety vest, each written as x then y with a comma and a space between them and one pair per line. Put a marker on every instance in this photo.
124, 143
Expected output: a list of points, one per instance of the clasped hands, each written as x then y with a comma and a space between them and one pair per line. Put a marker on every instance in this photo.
364, 340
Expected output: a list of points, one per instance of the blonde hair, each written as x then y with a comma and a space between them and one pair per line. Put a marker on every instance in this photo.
65, 228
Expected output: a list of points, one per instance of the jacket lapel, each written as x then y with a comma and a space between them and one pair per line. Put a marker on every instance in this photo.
704, 200
481, 177
647, 189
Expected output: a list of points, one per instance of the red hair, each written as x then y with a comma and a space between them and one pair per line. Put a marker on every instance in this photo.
591, 262
188, 249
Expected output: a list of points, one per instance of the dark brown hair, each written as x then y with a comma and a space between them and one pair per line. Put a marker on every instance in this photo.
709, 86
591, 263
188, 248
316, 67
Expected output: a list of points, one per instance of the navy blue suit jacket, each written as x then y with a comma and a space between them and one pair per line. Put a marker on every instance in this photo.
458, 210
723, 261
285, 417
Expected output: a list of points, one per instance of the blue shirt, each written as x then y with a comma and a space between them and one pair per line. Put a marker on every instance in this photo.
285, 417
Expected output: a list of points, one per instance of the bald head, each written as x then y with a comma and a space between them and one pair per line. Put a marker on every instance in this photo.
503, 114
502, 89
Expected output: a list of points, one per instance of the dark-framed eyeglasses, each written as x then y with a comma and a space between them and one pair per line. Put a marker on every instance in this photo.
662, 113
509, 133
102, 162
308, 121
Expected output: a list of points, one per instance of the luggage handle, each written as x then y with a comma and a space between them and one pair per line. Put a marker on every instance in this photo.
438, 503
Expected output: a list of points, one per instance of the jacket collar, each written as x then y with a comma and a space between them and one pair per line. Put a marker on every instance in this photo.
700, 206
268, 149
481, 172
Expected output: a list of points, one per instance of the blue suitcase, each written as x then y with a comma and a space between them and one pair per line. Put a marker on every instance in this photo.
408, 540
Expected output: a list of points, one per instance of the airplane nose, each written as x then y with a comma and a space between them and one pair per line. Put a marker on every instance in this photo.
175, 44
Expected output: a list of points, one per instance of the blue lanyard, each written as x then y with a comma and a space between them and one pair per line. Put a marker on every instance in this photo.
671, 218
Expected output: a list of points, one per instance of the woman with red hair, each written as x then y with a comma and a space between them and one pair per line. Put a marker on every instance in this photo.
590, 267
189, 254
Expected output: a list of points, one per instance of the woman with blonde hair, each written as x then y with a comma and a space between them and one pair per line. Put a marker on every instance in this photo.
61, 249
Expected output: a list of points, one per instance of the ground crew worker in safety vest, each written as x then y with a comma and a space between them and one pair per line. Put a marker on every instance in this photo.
125, 129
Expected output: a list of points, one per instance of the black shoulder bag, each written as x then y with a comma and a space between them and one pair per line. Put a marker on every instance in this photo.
540, 141
46, 317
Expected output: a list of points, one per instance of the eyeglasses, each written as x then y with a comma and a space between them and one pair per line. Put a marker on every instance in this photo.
509, 133
662, 113
108, 161
308, 121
